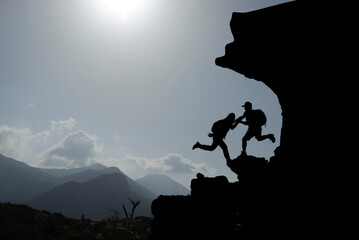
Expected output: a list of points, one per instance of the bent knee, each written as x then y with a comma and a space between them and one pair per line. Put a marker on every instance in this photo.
211, 148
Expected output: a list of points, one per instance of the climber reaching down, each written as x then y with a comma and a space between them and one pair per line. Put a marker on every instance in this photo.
255, 119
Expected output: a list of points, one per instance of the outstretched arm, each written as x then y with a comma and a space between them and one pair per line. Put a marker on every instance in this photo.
245, 123
234, 125
237, 121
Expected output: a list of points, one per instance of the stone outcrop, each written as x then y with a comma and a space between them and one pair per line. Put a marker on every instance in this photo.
293, 49
219, 209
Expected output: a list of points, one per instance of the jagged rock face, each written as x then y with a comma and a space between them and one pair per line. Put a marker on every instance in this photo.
287, 48
283, 46
284, 50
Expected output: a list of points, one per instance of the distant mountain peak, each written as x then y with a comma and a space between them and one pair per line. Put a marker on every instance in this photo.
161, 184
91, 190
97, 166
94, 197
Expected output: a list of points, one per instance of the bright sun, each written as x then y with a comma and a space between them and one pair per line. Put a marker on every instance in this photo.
122, 8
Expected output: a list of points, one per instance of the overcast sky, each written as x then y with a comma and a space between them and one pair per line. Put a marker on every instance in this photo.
85, 82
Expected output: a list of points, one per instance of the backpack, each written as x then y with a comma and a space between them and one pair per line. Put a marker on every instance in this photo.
259, 118
218, 129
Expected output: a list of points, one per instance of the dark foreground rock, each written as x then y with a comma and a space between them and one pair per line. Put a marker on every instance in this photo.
217, 208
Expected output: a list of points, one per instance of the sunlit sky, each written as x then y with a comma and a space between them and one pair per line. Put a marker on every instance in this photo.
131, 84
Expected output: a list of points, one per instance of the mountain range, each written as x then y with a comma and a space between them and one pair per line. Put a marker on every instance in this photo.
91, 191
161, 184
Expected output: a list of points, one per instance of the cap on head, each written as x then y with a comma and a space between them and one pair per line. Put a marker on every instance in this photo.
247, 104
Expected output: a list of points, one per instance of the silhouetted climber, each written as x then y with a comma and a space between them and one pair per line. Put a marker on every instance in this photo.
255, 119
219, 132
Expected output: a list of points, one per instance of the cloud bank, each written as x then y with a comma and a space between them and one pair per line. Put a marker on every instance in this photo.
62, 146
78, 149
14, 142
172, 165
63, 125
56, 146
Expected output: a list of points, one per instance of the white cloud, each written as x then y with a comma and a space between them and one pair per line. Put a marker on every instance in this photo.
14, 142
77, 149
178, 164
42, 137
51, 149
63, 125
25, 145
173, 165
